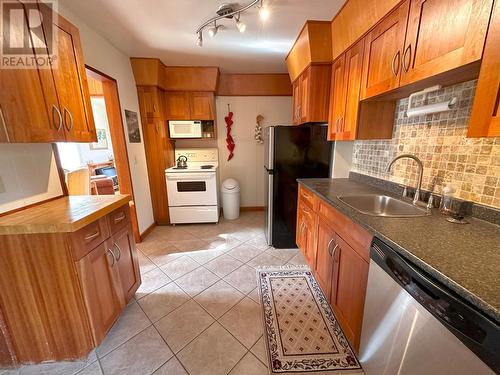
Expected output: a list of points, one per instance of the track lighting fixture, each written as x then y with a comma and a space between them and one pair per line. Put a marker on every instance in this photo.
229, 11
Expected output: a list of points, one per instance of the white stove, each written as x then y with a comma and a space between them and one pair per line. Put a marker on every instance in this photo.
193, 191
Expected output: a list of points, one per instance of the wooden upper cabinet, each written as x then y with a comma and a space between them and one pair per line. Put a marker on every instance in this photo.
25, 115
311, 95
177, 105
151, 101
443, 35
345, 94
202, 105
384, 46
99, 278
485, 116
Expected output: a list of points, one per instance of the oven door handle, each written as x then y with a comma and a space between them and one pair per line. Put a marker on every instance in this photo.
190, 176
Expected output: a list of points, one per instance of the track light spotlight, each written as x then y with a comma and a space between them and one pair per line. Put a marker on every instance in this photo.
199, 40
213, 30
264, 12
240, 25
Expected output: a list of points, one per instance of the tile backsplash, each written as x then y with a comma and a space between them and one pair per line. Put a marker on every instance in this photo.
472, 165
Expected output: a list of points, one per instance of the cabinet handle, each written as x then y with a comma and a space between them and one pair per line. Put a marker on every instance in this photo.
119, 252
112, 256
335, 251
4, 124
341, 124
92, 236
120, 218
56, 110
396, 57
70, 118
329, 247
408, 50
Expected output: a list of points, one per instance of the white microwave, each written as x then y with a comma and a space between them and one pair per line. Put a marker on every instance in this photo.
184, 129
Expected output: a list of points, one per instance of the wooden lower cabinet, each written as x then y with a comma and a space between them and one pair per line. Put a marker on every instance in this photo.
61, 293
339, 258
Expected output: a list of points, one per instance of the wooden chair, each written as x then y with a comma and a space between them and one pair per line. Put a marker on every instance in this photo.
78, 182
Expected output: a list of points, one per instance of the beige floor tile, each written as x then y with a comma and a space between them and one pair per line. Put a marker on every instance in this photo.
163, 301
93, 369
244, 322
214, 352
245, 252
222, 242
151, 281
219, 298
145, 264
172, 367
223, 265
189, 245
164, 254
170, 233
179, 267
197, 281
204, 256
244, 279
298, 260
265, 260
259, 242
183, 324
244, 234
131, 322
143, 354
9, 371
259, 350
254, 295
54, 368
283, 254
249, 365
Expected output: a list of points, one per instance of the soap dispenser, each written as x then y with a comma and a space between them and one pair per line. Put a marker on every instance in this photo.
447, 199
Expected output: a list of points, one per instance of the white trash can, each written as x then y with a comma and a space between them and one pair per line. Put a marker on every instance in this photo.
230, 191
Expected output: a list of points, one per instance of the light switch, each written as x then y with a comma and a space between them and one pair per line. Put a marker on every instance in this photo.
2, 186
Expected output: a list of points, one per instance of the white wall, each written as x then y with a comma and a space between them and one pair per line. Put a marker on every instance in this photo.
247, 165
28, 174
103, 56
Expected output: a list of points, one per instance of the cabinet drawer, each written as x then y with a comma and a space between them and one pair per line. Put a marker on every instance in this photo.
119, 218
308, 198
89, 237
357, 237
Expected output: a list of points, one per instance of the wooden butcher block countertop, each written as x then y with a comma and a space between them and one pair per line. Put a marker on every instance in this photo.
65, 214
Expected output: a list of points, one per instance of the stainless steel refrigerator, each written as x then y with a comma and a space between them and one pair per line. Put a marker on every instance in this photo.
291, 152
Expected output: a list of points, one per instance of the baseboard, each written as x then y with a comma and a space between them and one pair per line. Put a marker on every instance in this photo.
252, 208
147, 231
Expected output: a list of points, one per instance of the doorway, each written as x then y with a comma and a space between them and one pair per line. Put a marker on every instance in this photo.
101, 168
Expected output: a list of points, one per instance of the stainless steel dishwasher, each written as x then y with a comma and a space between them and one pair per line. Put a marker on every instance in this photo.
414, 325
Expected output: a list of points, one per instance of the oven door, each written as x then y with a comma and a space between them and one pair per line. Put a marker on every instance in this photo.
191, 189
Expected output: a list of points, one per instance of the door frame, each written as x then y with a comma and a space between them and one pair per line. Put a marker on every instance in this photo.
118, 140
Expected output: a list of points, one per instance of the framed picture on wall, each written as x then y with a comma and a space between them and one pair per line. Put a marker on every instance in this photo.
134, 134
102, 140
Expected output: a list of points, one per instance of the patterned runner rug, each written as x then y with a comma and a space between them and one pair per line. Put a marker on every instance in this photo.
301, 332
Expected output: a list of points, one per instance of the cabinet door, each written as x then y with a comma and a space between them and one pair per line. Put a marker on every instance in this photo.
177, 106
99, 279
324, 260
485, 116
25, 115
337, 98
71, 83
352, 86
306, 233
123, 247
443, 35
296, 101
305, 85
351, 275
383, 53
150, 99
202, 105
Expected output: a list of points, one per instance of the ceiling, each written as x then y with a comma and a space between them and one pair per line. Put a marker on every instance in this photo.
166, 29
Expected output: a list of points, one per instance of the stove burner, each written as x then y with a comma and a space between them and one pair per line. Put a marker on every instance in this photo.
207, 166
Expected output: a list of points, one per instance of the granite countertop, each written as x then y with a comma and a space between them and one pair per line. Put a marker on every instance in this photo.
65, 214
466, 258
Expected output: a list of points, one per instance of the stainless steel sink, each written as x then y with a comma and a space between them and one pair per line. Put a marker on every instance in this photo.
382, 205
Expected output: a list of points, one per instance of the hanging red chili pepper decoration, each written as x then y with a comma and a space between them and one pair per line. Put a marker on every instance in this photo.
229, 139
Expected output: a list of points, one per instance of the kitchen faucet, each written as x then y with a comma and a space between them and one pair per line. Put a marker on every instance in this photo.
420, 172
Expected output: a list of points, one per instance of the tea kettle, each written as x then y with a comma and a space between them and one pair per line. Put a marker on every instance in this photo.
182, 162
